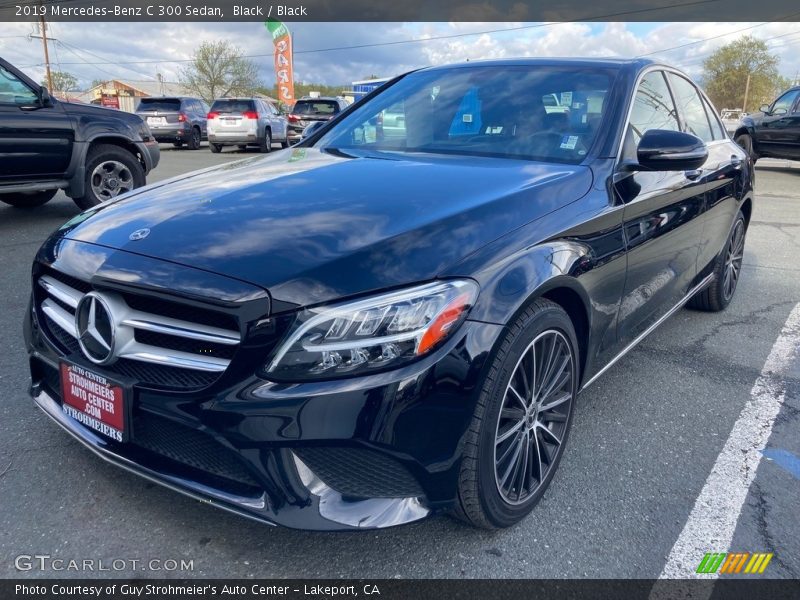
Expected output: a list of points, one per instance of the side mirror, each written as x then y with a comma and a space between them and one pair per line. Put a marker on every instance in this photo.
310, 129
764, 109
779, 111
44, 97
663, 150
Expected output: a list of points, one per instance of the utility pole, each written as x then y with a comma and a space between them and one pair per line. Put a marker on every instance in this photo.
46, 53
746, 92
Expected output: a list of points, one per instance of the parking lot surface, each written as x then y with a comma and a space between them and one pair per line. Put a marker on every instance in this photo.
645, 439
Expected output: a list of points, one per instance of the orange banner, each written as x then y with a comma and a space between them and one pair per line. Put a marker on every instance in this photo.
284, 73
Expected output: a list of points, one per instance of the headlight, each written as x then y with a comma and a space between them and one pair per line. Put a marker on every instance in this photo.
380, 332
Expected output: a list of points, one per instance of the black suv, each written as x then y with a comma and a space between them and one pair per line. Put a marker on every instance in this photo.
775, 131
311, 110
92, 153
176, 120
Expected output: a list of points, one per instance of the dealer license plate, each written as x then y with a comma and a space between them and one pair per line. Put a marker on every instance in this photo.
94, 401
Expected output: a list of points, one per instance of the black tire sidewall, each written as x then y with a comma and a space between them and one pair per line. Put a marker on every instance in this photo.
266, 143
194, 139
497, 511
101, 154
720, 268
215, 148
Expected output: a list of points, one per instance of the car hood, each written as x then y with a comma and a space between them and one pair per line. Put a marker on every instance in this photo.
310, 226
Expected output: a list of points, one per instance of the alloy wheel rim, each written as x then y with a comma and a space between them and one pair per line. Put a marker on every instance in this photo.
110, 179
733, 261
533, 416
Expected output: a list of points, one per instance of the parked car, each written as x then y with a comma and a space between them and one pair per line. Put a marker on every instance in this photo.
177, 120
92, 153
774, 131
363, 331
309, 110
246, 122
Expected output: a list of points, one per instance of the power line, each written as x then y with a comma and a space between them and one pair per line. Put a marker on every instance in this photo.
670, 49
434, 38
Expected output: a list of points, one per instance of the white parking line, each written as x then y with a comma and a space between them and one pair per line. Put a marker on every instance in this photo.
713, 519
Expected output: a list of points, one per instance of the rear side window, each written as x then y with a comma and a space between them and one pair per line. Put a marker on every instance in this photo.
160, 104
316, 107
228, 105
652, 107
691, 108
716, 124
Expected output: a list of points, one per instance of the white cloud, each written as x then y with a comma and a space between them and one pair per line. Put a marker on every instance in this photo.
124, 42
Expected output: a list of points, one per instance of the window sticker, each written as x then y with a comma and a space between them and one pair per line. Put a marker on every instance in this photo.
568, 142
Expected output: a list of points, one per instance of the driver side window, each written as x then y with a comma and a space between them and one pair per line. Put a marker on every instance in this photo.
14, 91
653, 108
785, 102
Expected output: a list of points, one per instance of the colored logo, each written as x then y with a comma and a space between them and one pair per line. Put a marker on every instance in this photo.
734, 562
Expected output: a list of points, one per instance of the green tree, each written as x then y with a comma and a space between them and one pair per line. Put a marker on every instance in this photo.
219, 69
727, 69
62, 81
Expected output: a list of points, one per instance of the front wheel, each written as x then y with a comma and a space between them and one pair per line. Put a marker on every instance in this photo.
215, 148
521, 420
727, 270
28, 199
110, 171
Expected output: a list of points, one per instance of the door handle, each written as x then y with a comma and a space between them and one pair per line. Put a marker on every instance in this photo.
693, 174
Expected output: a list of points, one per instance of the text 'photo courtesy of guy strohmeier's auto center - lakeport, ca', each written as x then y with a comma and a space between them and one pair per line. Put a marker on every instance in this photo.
400, 300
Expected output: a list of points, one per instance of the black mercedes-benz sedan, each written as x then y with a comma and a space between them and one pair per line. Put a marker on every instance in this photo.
384, 322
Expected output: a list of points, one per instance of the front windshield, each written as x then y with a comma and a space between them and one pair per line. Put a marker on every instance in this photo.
529, 112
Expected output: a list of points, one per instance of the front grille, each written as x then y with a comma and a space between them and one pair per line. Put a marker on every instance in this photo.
159, 343
189, 447
360, 473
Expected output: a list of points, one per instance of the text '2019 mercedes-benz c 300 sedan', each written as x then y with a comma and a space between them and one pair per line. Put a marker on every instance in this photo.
379, 324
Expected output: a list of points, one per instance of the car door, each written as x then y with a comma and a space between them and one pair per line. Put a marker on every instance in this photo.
662, 217
723, 170
778, 133
36, 140
279, 123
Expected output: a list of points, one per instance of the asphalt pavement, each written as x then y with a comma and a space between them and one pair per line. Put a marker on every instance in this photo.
645, 439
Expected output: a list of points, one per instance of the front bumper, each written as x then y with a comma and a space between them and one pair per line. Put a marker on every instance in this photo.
371, 452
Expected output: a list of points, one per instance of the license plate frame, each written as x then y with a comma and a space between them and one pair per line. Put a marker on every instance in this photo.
96, 401
156, 121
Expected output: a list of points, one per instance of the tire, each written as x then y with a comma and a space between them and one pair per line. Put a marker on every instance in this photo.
106, 164
215, 148
727, 271
284, 144
265, 144
177, 144
485, 498
194, 139
28, 199
745, 142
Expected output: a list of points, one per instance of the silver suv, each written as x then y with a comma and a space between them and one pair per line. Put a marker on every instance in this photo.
246, 122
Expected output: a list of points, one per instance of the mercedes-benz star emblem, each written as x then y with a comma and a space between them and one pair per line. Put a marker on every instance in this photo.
139, 234
95, 328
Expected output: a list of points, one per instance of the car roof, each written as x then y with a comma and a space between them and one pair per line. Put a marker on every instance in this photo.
608, 62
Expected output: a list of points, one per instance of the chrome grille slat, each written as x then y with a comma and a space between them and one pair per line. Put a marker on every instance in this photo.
193, 331
61, 291
175, 358
129, 320
60, 317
